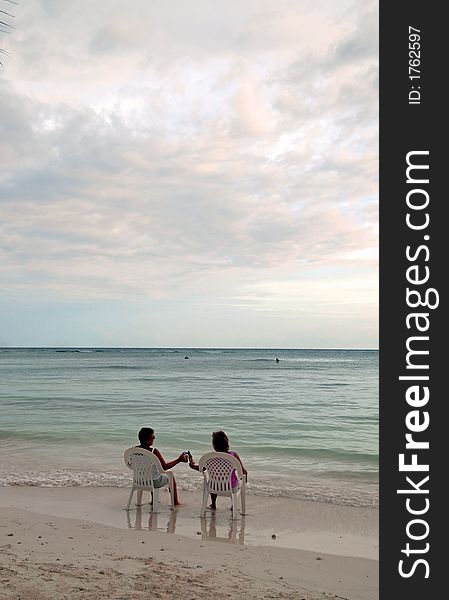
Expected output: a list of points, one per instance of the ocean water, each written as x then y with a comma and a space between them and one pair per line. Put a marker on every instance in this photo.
305, 427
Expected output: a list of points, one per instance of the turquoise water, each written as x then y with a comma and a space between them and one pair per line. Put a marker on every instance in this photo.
305, 427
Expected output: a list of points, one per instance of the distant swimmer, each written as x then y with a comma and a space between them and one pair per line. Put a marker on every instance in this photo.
186, 357
277, 360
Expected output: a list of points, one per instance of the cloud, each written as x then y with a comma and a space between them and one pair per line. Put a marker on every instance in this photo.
196, 153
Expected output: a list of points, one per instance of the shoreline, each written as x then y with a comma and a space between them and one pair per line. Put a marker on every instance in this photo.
79, 543
297, 524
304, 487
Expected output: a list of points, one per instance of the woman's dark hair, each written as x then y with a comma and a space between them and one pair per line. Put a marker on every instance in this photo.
220, 441
144, 435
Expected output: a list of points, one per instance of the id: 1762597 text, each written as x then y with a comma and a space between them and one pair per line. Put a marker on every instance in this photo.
414, 65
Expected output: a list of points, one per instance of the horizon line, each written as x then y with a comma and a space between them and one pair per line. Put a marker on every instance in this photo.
178, 348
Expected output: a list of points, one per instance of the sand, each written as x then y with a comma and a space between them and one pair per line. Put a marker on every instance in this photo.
79, 543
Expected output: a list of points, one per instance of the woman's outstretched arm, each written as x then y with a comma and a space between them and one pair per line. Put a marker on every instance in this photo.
172, 463
192, 464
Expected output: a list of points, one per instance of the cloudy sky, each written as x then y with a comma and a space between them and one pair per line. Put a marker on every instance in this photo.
189, 173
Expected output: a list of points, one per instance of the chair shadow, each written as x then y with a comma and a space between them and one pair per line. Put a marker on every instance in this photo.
235, 530
154, 520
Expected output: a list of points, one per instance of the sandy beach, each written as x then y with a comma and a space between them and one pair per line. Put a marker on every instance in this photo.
79, 543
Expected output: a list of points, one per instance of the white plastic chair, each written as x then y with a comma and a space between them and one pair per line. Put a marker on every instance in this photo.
217, 468
141, 462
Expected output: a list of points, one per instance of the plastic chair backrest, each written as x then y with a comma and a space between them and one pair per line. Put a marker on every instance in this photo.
141, 462
218, 468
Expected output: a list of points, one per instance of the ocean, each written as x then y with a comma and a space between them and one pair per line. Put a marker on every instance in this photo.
305, 427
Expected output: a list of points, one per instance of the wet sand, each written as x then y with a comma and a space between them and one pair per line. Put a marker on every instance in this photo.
80, 543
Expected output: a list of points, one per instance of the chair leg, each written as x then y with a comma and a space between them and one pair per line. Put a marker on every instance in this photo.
139, 497
243, 498
234, 505
130, 498
156, 501
203, 506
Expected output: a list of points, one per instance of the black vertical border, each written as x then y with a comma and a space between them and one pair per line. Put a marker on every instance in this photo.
404, 128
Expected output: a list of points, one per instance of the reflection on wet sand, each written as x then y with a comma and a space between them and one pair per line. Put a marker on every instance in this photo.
232, 530
236, 530
153, 519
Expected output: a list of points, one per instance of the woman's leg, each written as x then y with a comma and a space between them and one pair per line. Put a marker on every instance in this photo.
213, 505
175, 493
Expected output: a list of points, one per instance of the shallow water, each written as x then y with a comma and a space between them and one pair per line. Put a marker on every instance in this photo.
305, 427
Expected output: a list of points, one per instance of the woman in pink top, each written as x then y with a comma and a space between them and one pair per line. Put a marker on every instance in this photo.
220, 443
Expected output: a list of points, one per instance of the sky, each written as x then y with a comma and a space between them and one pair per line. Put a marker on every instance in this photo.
189, 173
